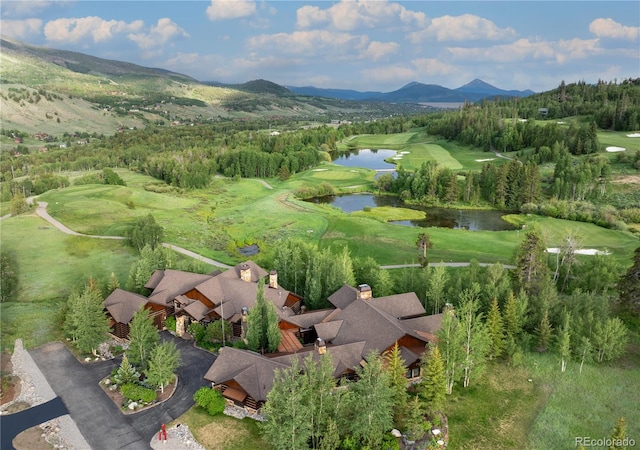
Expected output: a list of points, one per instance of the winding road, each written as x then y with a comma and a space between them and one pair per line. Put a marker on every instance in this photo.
41, 211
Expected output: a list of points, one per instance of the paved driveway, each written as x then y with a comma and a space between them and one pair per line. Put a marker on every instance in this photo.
100, 421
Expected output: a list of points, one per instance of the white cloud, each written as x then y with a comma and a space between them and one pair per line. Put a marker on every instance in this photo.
347, 15
94, 28
609, 28
312, 42
161, 33
433, 67
467, 27
21, 29
524, 49
378, 50
230, 9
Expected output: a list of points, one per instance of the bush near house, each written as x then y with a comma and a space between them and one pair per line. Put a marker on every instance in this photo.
137, 393
210, 400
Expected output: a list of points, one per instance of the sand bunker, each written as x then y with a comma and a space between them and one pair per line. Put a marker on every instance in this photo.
319, 170
484, 160
561, 122
582, 251
633, 135
404, 153
615, 149
397, 157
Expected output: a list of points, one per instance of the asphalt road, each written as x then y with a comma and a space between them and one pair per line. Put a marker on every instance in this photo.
99, 420
14, 424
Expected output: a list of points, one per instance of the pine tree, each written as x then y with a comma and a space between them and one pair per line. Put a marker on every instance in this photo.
126, 373
545, 333
531, 267
262, 324
113, 283
395, 367
618, 435
163, 362
433, 387
512, 323
495, 328
415, 424
143, 337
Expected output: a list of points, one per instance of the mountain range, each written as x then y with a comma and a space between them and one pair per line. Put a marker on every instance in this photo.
417, 92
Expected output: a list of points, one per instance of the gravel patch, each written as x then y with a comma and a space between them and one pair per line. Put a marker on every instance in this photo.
61, 432
179, 437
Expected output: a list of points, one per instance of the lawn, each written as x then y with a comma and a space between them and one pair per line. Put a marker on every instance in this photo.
223, 432
619, 139
50, 265
504, 410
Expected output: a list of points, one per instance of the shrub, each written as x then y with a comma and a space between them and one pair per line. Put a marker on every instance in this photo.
136, 393
210, 399
170, 323
197, 330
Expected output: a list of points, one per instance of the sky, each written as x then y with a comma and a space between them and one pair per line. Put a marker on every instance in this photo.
376, 45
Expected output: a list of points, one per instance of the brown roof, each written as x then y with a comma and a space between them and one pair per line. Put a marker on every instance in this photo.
122, 304
343, 296
328, 330
425, 324
347, 357
230, 293
174, 283
408, 356
155, 278
197, 310
308, 319
252, 371
400, 305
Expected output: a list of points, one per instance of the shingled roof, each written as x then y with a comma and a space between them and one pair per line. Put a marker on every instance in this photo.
252, 371
122, 305
230, 293
343, 296
174, 283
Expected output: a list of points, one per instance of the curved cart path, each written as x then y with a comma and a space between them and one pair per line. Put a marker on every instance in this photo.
41, 211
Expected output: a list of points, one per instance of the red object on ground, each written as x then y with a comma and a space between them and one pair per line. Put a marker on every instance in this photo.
164, 431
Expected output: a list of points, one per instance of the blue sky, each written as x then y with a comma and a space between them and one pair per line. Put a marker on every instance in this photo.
351, 44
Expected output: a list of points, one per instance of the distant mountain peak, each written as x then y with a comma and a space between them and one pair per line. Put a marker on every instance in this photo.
477, 83
411, 84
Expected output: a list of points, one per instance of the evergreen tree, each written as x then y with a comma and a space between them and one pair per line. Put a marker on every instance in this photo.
395, 367
629, 285
262, 324
544, 332
495, 328
531, 267
433, 387
416, 423
143, 337
113, 283
513, 317
126, 373
618, 435
150, 260
163, 362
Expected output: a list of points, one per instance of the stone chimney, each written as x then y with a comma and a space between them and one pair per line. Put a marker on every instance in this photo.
363, 292
321, 346
273, 279
245, 272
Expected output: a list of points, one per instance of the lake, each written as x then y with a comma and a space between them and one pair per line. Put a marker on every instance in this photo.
473, 220
369, 159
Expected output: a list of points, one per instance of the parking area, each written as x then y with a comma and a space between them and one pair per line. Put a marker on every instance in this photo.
99, 420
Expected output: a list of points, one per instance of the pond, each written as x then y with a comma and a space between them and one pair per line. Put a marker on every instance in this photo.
369, 159
473, 220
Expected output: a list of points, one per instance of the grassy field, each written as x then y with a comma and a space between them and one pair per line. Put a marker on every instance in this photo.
619, 139
504, 410
50, 265
223, 432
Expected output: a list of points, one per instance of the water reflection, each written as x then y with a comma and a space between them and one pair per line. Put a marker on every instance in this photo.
473, 220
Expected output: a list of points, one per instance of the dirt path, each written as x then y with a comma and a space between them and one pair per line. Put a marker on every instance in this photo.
264, 183
41, 211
